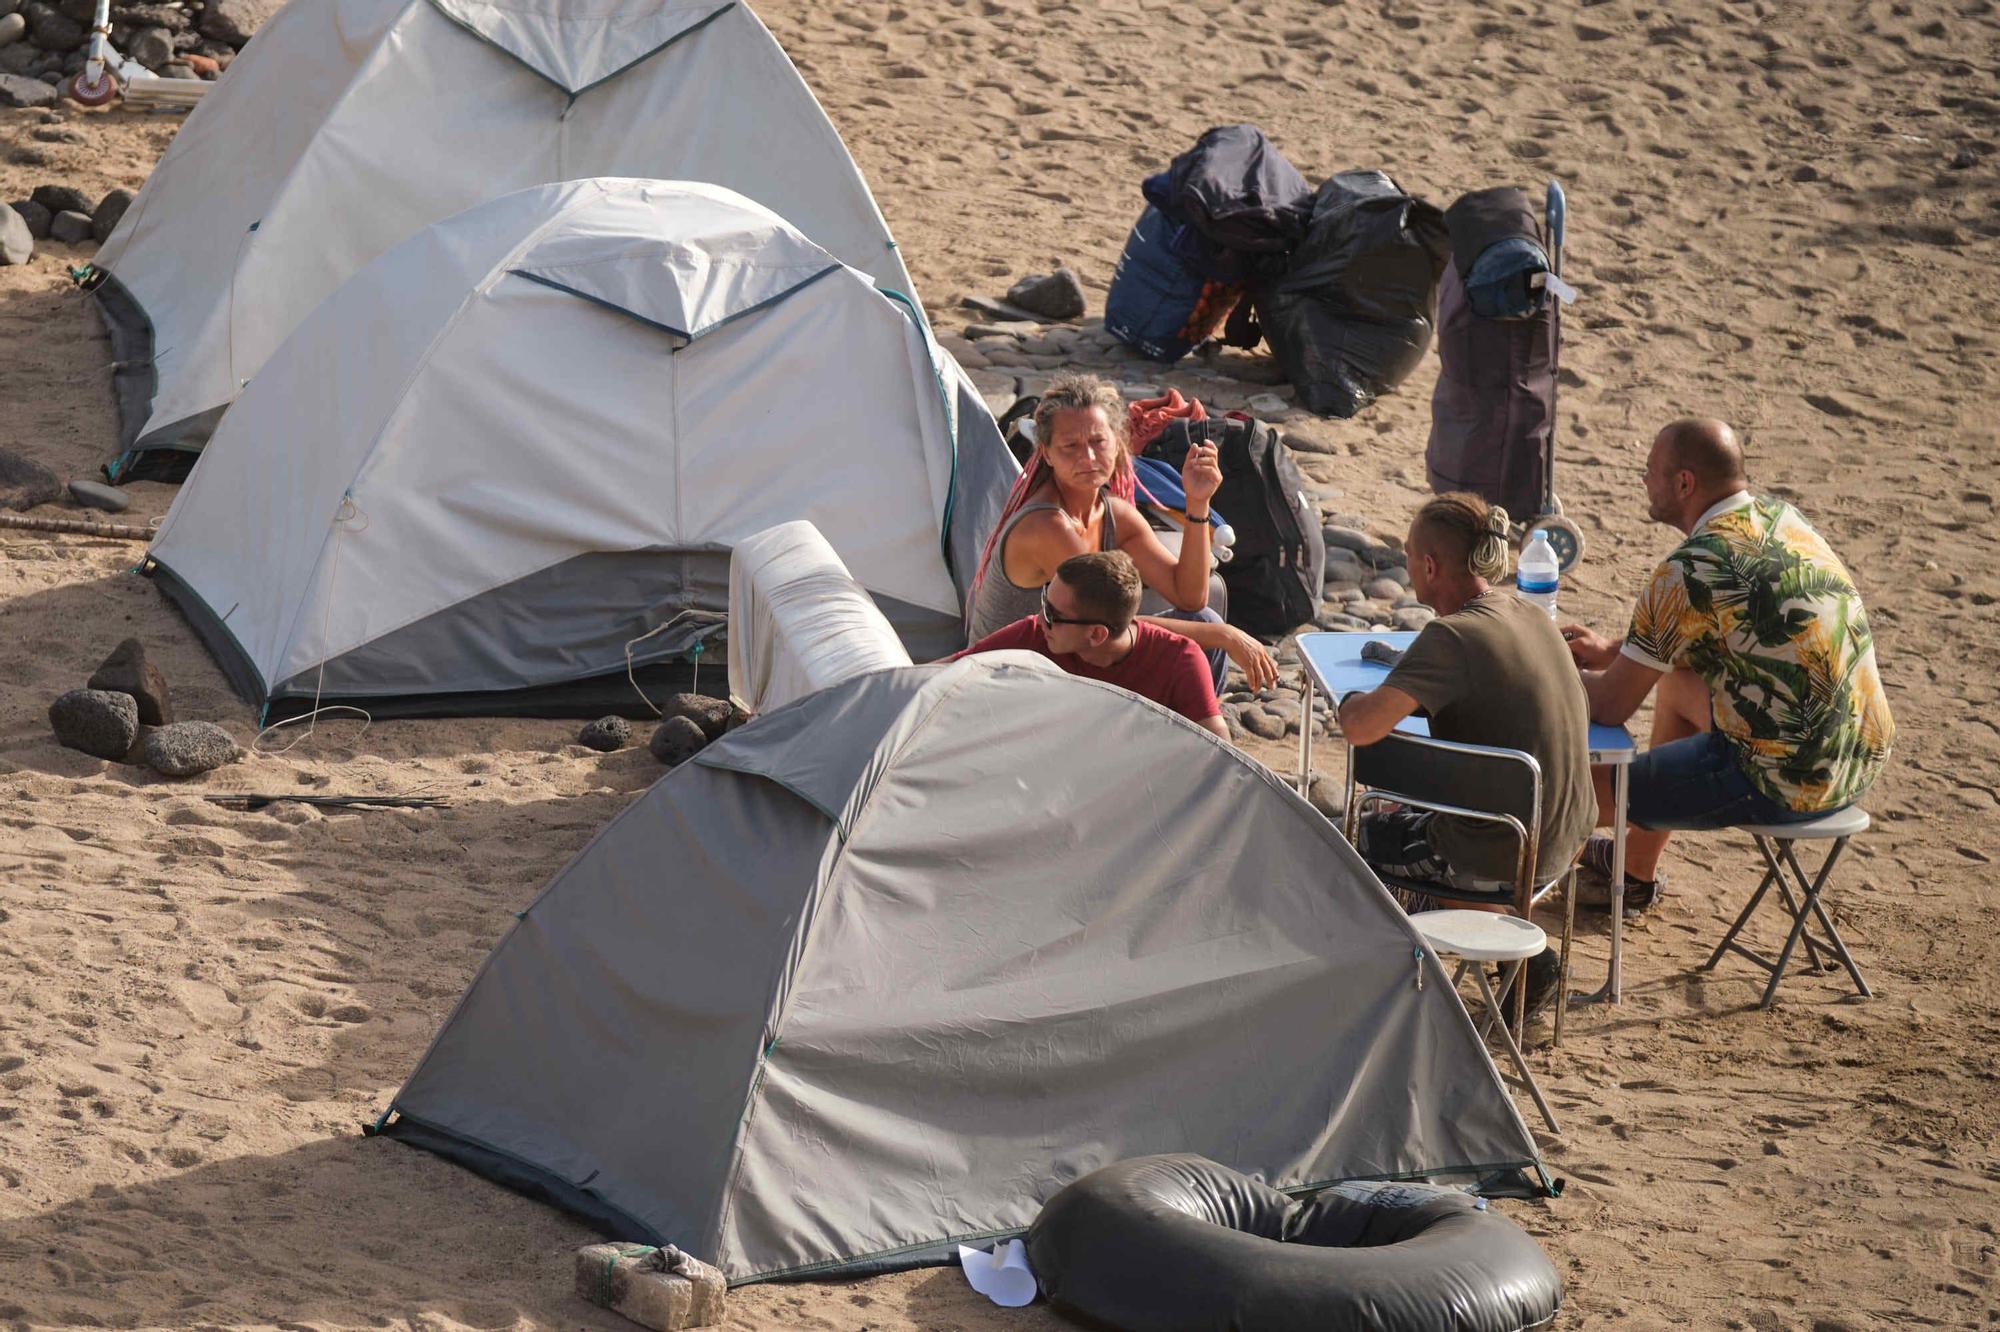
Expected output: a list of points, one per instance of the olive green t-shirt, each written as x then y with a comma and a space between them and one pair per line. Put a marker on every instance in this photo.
1497, 672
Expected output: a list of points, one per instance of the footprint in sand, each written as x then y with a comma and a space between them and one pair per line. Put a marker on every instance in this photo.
1832, 406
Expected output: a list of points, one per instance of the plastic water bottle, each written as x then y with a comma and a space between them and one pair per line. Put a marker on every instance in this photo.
1537, 575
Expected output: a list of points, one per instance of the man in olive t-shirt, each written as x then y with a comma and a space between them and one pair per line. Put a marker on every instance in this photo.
1492, 669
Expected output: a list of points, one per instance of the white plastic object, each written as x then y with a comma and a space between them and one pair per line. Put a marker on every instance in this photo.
798, 620
1002, 1276
1480, 936
1538, 576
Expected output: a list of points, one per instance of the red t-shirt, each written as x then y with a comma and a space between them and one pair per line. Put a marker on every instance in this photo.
1162, 666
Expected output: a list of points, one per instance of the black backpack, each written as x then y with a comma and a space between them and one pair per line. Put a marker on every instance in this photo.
1279, 562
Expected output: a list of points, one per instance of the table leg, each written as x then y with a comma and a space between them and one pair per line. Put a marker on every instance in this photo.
1611, 991
1306, 736
1621, 797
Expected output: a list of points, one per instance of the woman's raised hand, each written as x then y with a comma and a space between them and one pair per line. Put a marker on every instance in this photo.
1201, 475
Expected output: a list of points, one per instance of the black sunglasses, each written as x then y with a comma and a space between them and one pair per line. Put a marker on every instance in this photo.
1050, 618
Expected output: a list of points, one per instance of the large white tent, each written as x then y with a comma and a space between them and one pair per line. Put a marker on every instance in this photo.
348, 125
879, 972
534, 432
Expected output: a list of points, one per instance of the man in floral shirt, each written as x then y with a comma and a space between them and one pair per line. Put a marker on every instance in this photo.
1770, 709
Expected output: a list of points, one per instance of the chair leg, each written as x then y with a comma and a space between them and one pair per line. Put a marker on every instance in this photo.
1513, 1046
1800, 918
1783, 853
1498, 1006
1562, 959
1815, 900
1771, 875
1520, 992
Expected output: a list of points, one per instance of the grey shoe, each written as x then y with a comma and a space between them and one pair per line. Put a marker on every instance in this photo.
1541, 978
1593, 881
1544, 980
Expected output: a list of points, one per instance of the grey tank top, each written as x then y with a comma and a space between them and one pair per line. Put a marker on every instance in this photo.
1000, 601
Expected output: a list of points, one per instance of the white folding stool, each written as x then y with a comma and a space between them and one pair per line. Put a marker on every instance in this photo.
1781, 863
1478, 937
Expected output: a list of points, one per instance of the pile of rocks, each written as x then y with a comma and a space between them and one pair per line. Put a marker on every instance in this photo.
25, 483
44, 41
1041, 327
1367, 580
1008, 356
688, 722
59, 213
1367, 587
125, 714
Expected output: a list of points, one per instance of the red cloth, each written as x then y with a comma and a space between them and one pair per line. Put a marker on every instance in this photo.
1146, 418
1162, 665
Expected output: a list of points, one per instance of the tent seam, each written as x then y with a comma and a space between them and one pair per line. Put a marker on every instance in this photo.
559, 85
601, 303
950, 424
686, 335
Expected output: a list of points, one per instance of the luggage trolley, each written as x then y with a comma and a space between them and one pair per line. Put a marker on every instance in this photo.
1493, 412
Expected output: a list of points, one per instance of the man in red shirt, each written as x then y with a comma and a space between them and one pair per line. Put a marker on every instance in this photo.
1087, 625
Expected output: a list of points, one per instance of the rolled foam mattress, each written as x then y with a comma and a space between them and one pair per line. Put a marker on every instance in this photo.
798, 620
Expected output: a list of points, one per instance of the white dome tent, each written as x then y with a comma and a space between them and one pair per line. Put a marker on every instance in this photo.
348, 125
534, 432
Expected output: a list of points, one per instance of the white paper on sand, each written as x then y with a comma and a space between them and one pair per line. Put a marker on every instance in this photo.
1002, 1276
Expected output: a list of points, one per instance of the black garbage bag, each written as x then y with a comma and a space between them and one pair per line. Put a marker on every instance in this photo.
1357, 306
1246, 204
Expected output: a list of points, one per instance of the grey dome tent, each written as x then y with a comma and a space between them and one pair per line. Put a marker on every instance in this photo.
351, 124
879, 972
531, 434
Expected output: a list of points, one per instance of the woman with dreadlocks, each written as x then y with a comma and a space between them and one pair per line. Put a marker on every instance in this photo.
1074, 497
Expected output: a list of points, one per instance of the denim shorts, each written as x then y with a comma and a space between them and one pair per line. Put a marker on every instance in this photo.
1696, 783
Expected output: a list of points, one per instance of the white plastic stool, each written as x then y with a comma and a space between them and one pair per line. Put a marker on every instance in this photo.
1487, 936
1775, 841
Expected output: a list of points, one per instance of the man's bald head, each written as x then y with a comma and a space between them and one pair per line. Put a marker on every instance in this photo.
1709, 449
1693, 463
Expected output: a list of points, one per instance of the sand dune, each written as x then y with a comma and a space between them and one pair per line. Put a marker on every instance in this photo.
1784, 214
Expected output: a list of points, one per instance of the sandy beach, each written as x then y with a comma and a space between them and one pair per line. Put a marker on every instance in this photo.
1782, 214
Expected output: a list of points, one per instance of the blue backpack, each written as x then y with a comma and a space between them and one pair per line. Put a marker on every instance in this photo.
1158, 304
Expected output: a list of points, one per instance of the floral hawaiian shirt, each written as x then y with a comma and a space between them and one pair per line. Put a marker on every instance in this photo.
1758, 605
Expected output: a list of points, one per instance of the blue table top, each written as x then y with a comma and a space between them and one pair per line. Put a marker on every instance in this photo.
1335, 662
